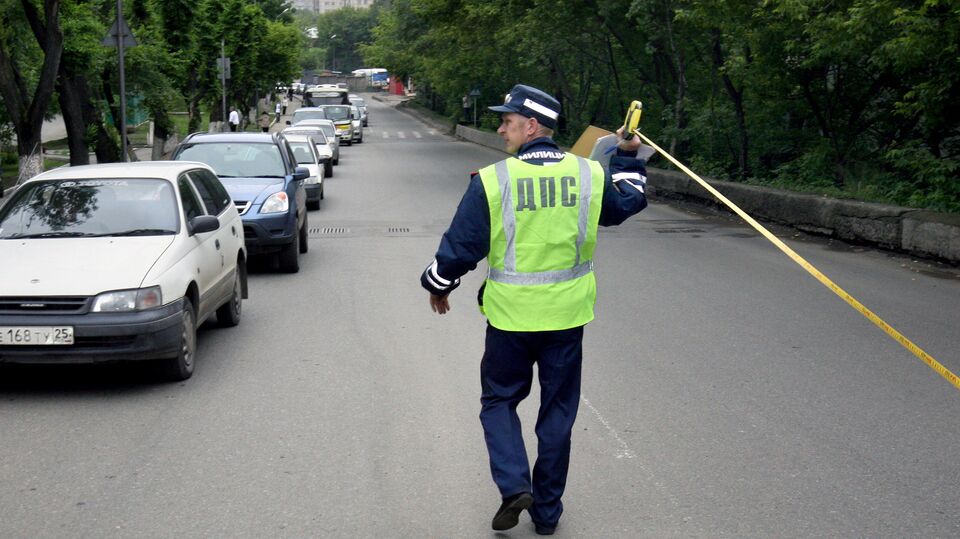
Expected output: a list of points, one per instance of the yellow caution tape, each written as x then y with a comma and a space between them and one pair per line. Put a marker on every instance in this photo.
896, 335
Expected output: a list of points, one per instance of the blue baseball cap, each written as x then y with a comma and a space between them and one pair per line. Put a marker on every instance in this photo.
532, 103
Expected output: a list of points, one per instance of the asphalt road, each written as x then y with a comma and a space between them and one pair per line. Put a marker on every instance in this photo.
726, 393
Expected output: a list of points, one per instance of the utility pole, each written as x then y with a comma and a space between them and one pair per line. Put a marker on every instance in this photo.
223, 82
121, 37
123, 89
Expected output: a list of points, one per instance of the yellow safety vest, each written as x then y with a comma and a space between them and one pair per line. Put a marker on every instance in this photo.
543, 231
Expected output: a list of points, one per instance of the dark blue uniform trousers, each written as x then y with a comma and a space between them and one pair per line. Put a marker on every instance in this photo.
506, 374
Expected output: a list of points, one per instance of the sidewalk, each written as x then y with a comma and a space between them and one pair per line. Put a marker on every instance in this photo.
280, 125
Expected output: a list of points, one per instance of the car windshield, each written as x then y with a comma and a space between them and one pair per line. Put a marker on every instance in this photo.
329, 131
90, 208
338, 113
312, 130
301, 150
237, 159
316, 98
301, 115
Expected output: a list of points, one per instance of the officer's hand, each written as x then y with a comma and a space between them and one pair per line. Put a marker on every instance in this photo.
439, 304
631, 145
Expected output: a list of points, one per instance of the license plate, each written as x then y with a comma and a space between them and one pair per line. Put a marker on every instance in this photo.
36, 335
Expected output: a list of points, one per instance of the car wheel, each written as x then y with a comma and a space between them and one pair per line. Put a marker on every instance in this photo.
303, 237
228, 315
321, 194
360, 140
290, 255
181, 367
328, 169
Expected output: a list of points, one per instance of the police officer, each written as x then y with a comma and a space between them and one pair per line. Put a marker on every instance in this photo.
534, 217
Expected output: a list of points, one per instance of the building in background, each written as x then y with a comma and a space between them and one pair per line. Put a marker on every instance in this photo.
323, 6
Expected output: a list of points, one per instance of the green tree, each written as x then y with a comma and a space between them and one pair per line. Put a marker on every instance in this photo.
81, 104
27, 106
341, 33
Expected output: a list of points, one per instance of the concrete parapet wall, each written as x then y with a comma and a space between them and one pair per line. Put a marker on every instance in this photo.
922, 233
934, 234
904, 229
483, 138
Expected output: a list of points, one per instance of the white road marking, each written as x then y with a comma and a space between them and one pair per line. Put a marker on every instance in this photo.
626, 453
417, 134
401, 135
385, 134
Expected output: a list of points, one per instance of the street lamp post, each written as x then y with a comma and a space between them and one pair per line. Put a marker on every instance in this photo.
333, 53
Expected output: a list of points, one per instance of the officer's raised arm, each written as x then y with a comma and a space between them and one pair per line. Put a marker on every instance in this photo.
624, 192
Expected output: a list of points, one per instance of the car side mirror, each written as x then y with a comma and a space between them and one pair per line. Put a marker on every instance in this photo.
301, 173
203, 224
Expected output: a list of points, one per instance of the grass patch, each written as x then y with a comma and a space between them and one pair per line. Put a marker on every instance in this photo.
138, 135
181, 122
11, 169
58, 144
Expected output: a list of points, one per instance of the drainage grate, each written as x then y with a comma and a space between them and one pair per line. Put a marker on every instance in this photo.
329, 230
398, 230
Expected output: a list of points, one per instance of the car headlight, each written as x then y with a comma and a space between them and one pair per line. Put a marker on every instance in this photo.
137, 299
276, 203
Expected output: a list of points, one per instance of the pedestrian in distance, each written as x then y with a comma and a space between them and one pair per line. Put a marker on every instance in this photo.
264, 122
466, 108
285, 102
277, 110
234, 119
534, 217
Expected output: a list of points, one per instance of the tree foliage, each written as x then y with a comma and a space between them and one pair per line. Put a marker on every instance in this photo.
173, 67
340, 36
851, 97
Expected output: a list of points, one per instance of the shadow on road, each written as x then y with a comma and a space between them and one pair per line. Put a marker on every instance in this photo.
97, 379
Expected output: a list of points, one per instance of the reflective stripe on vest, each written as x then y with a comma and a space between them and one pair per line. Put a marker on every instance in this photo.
541, 277
509, 274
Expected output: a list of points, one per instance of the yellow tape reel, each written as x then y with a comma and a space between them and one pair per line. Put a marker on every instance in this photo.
632, 121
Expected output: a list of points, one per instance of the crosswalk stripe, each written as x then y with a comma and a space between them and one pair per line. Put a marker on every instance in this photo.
385, 134
417, 134
401, 135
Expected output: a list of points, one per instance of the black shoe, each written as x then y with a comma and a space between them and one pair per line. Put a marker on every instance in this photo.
543, 529
509, 513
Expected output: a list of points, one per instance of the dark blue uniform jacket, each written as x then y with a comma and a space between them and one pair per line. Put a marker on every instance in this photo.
467, 240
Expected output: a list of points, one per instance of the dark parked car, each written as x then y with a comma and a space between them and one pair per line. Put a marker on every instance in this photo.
261, 174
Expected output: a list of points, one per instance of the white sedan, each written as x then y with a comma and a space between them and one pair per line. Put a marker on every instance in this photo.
118, 262
305, 151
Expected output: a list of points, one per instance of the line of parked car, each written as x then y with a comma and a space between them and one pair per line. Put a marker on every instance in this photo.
124, 261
